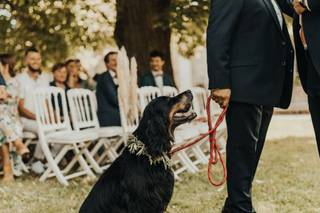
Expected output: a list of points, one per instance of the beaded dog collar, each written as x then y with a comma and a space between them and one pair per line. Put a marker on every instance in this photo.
136, 147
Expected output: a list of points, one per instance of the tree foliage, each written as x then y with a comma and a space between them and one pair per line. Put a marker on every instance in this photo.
61, 27
56, 27
188, 21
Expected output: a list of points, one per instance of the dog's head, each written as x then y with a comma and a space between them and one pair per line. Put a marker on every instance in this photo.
161, 117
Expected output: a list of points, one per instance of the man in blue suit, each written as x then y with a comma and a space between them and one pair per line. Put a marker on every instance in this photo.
107, 93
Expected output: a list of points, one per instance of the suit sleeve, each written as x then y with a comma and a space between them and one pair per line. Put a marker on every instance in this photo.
143, 81
107, 91
314, 4
286, 7
223, 19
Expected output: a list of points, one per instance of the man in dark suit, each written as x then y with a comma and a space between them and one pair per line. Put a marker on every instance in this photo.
156, 76
306, 26
250, 66
107, 93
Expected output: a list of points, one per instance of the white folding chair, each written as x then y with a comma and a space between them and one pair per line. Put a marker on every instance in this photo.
199, 101
169, 91
199, 104
82, 103
54, 129
146, 95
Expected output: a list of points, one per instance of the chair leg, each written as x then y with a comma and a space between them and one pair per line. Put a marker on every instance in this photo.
187, 162
52, 164
82, 161
70, 165
104, 142
110, 152
200, 154
57, 159
92, 161
97, 147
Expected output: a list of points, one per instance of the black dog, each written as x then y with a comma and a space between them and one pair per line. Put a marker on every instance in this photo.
140, 180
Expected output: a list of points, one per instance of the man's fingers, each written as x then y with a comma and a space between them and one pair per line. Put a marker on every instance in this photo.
226, 103
298, 8
215, 98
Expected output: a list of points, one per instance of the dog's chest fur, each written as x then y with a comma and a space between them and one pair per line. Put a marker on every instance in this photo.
131, 185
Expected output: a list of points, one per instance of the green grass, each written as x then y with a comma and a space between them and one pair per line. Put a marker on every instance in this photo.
287, 182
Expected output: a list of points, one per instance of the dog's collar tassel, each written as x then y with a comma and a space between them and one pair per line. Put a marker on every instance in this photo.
135, 146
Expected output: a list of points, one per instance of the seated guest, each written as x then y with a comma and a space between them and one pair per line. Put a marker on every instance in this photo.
30, 79
156, 76
10, 126
73, 80
78, 76
60, 74
107, 93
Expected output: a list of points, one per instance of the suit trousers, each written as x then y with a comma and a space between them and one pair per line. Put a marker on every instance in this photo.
314, 107
313, 84
247, 126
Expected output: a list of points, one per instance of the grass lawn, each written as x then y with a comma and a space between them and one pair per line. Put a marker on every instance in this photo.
287, 181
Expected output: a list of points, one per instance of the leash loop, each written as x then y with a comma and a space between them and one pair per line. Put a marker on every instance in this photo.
215, 155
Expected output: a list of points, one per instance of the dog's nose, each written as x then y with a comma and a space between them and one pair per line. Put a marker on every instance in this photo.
188, 93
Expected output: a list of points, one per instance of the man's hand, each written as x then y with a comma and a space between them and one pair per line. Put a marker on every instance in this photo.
298, 7
221, 96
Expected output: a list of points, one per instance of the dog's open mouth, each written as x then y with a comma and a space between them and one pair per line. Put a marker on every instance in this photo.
184, 115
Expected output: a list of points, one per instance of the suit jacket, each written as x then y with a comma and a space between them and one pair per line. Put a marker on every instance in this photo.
148, 80
311, 27
248, 52
107, 98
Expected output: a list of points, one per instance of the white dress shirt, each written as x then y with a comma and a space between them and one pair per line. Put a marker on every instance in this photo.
158, 78
27, 85
278, 12
114, 77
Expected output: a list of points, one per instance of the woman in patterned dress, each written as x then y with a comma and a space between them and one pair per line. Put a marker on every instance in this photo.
10, 125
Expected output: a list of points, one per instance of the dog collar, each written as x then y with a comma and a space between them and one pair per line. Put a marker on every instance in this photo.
136, 147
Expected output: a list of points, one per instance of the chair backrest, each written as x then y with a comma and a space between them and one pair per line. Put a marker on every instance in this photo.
146, 95
82, 109
169, 91
200, 96
128, 124
51, 109
199, 100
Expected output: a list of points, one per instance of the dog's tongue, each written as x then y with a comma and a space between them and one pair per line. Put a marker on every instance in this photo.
185, 114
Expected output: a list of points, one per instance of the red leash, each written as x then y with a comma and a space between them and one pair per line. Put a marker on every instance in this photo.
215, 155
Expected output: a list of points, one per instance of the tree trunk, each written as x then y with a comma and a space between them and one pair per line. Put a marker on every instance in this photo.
143, 26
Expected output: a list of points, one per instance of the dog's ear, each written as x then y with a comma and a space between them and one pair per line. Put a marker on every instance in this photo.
157, 136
